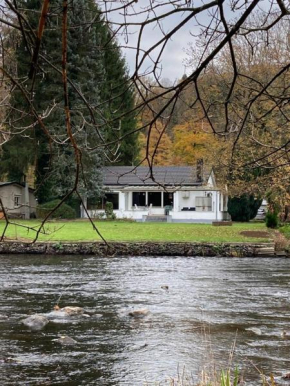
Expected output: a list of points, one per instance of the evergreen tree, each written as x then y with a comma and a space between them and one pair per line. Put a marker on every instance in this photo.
243, 208
119, 93
97, 74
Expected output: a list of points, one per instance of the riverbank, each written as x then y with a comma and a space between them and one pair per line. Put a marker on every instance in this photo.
141, 249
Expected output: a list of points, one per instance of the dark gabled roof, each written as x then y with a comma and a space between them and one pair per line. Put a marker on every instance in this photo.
163, 175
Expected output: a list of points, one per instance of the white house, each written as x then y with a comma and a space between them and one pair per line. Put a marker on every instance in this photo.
171, 193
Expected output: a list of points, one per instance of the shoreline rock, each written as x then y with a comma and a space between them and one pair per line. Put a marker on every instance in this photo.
124, 249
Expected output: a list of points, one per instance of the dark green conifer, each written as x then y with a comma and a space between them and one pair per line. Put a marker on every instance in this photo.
98, 73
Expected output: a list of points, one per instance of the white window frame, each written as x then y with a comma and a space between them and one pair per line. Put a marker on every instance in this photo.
17, 200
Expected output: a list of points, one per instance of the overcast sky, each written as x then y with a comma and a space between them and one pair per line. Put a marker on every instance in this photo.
174, 55
173, 66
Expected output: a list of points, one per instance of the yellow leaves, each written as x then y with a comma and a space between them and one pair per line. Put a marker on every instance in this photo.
191, 142
188, 144
156, 146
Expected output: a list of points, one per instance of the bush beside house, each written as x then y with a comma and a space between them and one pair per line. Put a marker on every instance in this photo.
243, 208
63, 212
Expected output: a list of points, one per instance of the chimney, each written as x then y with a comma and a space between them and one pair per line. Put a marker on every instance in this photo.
199, 170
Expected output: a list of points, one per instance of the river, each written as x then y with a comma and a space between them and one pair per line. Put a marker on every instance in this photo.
209, 306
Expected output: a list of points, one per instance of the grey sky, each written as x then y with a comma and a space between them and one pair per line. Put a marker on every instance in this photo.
172, 60
174, 54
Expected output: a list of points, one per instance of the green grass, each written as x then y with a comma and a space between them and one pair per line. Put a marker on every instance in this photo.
131, 231
285, 230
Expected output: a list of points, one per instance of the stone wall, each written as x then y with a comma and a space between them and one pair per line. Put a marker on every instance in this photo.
141, 249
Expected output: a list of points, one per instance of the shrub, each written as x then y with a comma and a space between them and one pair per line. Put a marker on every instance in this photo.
271, 220
99, 215
109, 211
243, 208
63, 212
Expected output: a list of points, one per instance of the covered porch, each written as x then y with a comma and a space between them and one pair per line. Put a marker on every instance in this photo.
171, 205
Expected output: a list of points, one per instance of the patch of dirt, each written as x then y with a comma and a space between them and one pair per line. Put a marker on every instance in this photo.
258, 234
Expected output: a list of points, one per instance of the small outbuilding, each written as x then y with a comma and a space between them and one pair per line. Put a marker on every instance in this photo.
169, 194
18, 200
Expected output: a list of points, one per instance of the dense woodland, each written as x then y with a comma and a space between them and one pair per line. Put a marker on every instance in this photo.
253, 160
69, 105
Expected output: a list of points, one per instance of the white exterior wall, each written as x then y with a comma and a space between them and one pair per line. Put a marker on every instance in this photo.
127, 211
7, 194
190, 201
181, 202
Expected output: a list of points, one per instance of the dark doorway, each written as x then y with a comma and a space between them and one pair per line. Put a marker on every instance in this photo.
168, 199
139, 198
154, 198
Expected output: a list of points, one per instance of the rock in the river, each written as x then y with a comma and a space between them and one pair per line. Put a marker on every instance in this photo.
65, 340
285, 334
71, 311
139, 313
165, 287
56, 315
35, 322
65, 312
255, 330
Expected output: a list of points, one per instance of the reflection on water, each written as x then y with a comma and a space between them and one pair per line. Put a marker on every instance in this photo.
226, 297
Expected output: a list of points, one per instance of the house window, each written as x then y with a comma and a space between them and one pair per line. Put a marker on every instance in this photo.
97, 203
139, 198
113, 198
154, 198
17, 201
168, 199
94, 203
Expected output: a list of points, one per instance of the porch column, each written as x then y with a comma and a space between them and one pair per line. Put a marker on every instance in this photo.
162, 199
130, 200
222, 202
126, 200
175, 201
122, 205
217, 209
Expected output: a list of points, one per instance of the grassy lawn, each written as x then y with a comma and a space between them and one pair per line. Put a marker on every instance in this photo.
285, 230
131, 231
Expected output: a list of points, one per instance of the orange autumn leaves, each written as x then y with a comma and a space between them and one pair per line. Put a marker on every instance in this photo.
185, 144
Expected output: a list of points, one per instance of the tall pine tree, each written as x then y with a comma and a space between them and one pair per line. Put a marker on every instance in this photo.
118, 91
98, 73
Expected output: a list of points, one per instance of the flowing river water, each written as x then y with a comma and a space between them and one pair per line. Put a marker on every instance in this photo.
210, 304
